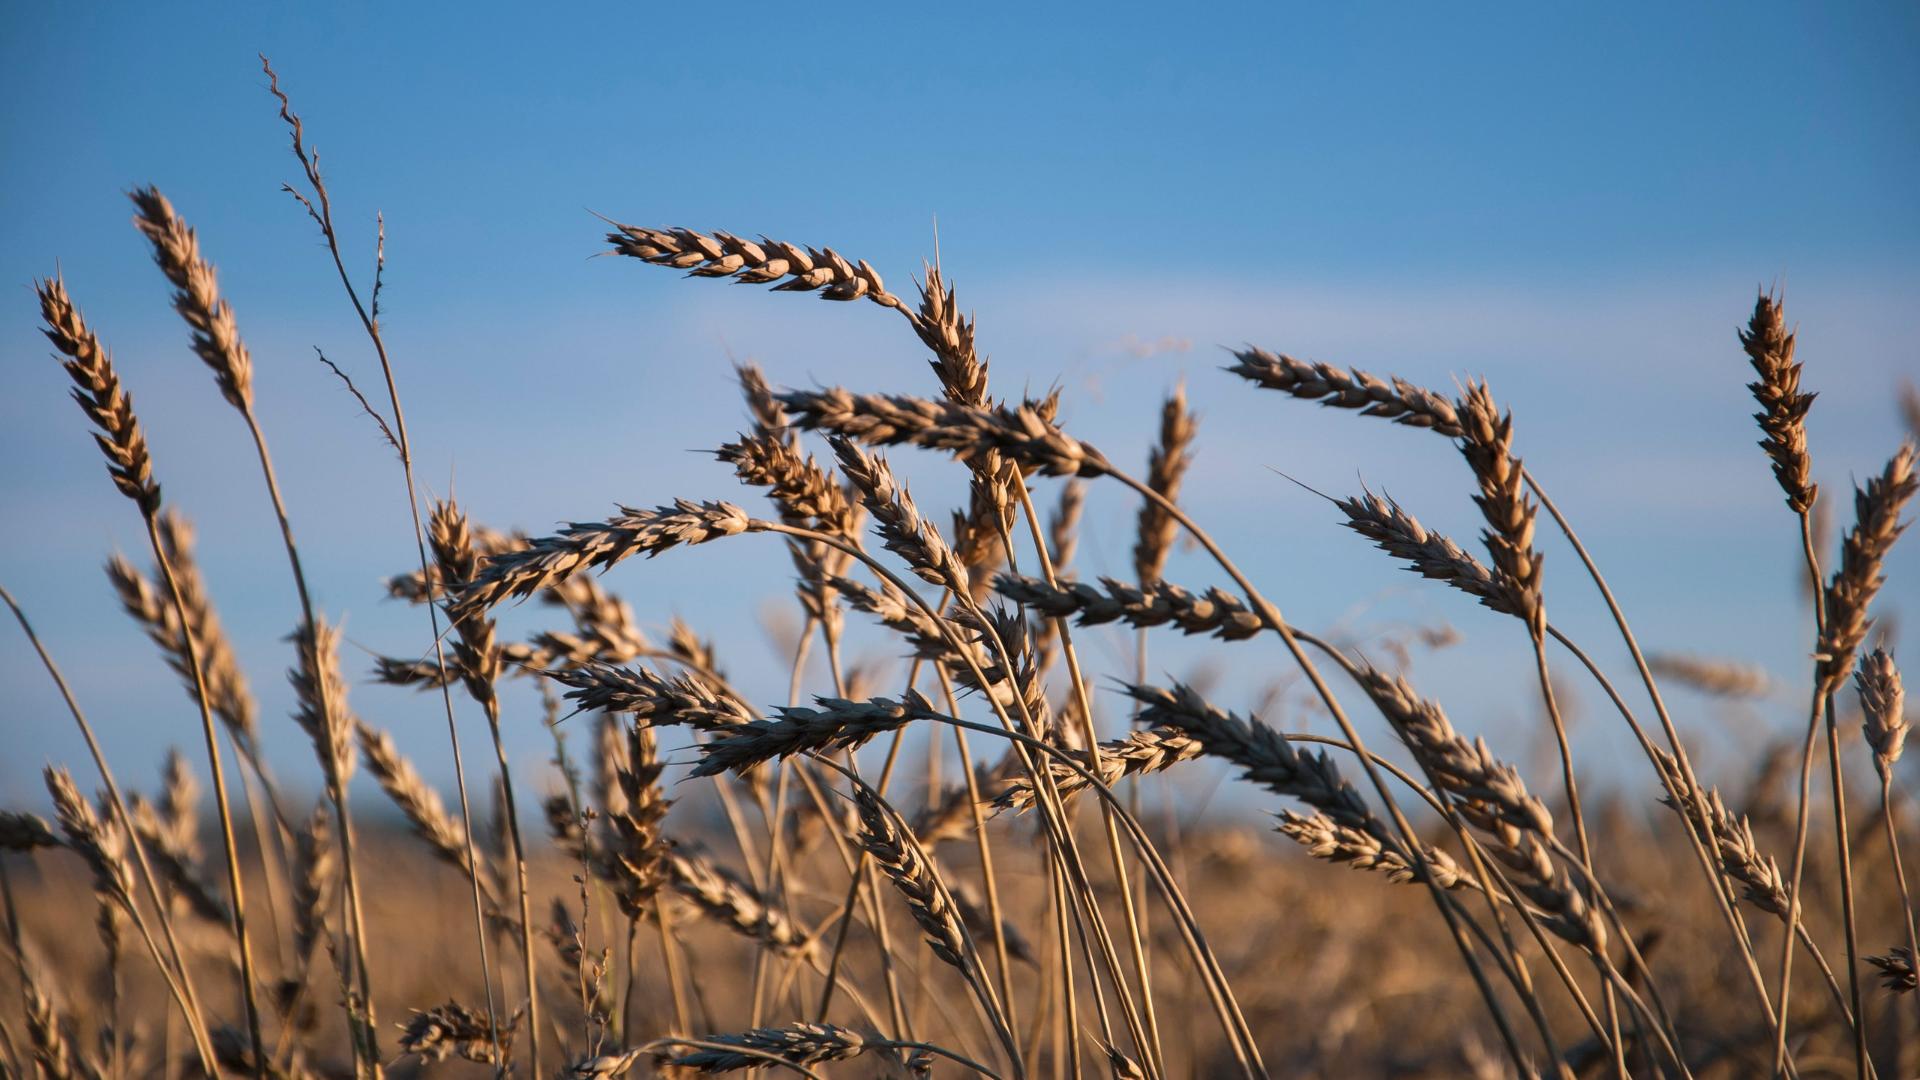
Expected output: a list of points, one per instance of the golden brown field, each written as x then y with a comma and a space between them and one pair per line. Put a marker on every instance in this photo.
715, 883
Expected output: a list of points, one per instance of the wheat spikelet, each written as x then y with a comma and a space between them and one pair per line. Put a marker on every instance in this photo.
100, 845
1263, 754
146, 600
216, 338
971, 434
838, 724
96, 387
956, 361
1325, 838
1857, 581
634, 860
653, 698
1783, 408
1431, 554
581, 546
46, 1033
1167, 466
1883, 704
23, 832
419, 803
804, 269
321, 703
316, 872
179, 810
1395, 399
1896, 969
1486, 439
176, 864
805, 493
902, 528
453, 1030
1141, 752
1739, 852
796, 1044
475, 654
727, 899
1159, 603
900, 858
1492, 798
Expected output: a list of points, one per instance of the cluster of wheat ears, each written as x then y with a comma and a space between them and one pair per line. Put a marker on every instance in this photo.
1092, 958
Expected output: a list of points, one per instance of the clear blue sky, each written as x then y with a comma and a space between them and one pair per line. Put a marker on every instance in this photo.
1579, 206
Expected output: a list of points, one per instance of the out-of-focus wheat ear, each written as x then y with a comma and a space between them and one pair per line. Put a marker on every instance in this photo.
1877, 524
96, 387
1715, 676
46, 1031
455, 1031
1391, 399
23, 832
1167, 466
101, 848
1783, 408
180, 804
787, 267
216, 338
1896, 969
321, 709
316, 872
1883, 702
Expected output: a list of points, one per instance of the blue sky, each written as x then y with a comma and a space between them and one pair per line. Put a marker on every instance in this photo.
1578, 207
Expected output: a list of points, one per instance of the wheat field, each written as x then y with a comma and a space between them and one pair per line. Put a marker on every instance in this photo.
989, 857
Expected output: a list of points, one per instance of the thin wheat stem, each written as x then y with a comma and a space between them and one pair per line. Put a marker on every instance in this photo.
323, 217
1156, 1056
